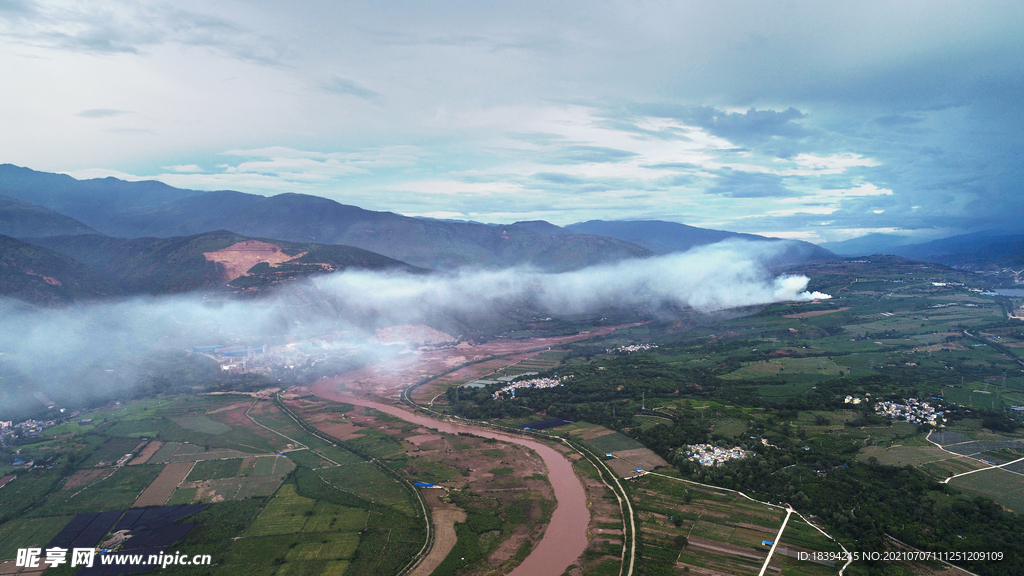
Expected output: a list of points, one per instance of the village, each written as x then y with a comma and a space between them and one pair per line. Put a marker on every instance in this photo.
534, 383
631, 348
912, 410
28, 429
710, 455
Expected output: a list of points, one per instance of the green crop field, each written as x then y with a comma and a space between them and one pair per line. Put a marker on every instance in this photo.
284, 514
367, 481
613, 442
29, 533
164, 453
270, 465
723, 530
337, 549
211, 469
1006, 488
116, 492
327, 516
202, 424
911, 456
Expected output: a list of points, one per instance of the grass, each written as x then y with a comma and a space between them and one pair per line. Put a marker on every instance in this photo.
212, 469
613, 442
342, 547
286, 513
374, 444
368, 482
269, 465
1004, 487
164, 454
906, 455
29, 532
722, 517
182, 496
112, 450
327, 516
27, 490
823, 367
116, 492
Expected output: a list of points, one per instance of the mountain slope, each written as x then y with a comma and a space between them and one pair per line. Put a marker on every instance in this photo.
40, 276
868, 244
192, 215
152, 209
664, 237
21, 219
422, 242
209, 260
976, 251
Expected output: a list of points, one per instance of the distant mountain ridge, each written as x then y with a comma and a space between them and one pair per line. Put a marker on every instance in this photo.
92, 202
986, 249
153, 209
21, 219
663, 237
423, 242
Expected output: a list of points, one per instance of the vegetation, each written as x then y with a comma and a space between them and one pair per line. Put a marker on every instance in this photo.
780, 383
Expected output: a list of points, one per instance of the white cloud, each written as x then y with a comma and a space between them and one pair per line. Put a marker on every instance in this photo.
859, 191
184, 168
832, 164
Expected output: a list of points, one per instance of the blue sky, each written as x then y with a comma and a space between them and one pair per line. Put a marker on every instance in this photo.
810, 120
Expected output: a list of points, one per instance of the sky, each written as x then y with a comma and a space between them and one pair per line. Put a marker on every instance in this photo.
808, 120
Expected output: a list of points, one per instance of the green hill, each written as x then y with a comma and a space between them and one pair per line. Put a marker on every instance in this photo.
23, 220
40, 276
180, 264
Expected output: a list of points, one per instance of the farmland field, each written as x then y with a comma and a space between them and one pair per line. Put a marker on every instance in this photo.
1006, 488
284, 514
724, 531
157, 493
116, 492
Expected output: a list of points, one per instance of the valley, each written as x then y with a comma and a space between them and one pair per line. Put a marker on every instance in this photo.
593, 399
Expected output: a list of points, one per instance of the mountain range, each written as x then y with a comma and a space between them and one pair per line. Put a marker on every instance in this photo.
148, 237
983, 250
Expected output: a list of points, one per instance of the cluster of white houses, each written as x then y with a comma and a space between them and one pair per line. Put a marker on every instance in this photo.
631, 348
912, 410
710, 455
534, 383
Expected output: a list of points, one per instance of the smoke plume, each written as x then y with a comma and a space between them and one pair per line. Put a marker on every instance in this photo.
89, 348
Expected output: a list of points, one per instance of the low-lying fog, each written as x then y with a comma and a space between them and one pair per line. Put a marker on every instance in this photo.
70, 349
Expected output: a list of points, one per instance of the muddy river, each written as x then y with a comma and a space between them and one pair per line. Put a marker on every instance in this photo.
566, 536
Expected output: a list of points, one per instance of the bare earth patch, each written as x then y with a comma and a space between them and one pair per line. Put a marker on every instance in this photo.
815, 313
629, 460
163, 485
239, 258
421, 439
147, 453
84, 478
443, 517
